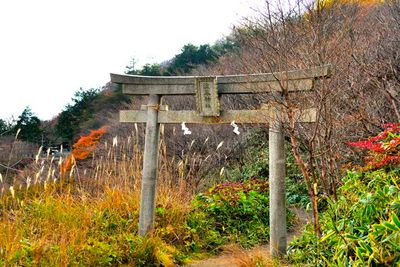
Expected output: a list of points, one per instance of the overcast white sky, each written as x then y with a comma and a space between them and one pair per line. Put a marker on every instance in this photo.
51, 48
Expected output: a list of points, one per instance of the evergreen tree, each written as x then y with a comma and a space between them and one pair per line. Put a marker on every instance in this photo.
74, 114
151, 70
131, 68
30, 126
147, 70
4, 127
225, 45
190, 57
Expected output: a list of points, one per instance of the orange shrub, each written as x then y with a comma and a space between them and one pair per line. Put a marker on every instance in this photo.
82, 148
329, 3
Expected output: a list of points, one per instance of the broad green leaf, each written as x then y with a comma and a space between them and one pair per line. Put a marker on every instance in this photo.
341, 225
396, 220
389, 226
379, 227
351, 237
397, 246
369, 248
389, 238
360, 253
361, 228
329, 234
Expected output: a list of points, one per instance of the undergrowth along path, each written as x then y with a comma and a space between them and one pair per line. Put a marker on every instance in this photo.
234, 256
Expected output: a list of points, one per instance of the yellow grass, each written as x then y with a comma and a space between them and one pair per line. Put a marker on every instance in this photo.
89, 216
57, 220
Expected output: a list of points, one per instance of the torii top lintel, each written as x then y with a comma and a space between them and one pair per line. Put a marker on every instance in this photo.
229, 84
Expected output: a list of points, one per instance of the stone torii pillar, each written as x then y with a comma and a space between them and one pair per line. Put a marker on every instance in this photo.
207, 91
277, 187
150, 167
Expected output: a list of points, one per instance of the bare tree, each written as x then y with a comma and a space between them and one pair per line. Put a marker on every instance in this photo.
361, 42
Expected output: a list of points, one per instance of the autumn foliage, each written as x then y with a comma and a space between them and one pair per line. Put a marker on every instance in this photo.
329, 3
383, 149
82, 148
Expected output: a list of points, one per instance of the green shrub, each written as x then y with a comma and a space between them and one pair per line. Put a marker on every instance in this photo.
253, 162
231, 212
151, 251
361, 228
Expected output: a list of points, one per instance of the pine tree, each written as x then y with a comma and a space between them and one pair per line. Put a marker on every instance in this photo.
30, 126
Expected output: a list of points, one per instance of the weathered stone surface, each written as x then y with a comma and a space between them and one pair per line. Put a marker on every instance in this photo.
207, 100
150, 167
230, 84
226, 116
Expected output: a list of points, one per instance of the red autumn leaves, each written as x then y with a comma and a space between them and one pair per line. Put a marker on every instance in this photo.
383, 149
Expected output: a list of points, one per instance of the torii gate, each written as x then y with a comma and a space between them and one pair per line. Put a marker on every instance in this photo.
207, 90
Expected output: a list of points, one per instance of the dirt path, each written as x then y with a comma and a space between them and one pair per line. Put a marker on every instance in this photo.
237, 257
233, 256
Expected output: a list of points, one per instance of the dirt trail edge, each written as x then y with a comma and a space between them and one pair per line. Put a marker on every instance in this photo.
234, 256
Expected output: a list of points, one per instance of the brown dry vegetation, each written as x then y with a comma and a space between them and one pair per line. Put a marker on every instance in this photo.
44, 211
360, 40
49, 214
89, 215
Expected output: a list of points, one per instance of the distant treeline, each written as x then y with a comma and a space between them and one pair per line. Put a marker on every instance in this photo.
190, 57
80, 115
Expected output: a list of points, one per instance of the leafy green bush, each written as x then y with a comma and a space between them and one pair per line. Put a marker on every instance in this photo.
231, 212
253, 161
296, 188
151, 251
361, 228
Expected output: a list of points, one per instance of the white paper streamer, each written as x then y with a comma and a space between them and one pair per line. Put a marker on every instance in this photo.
185, 129
235, 128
